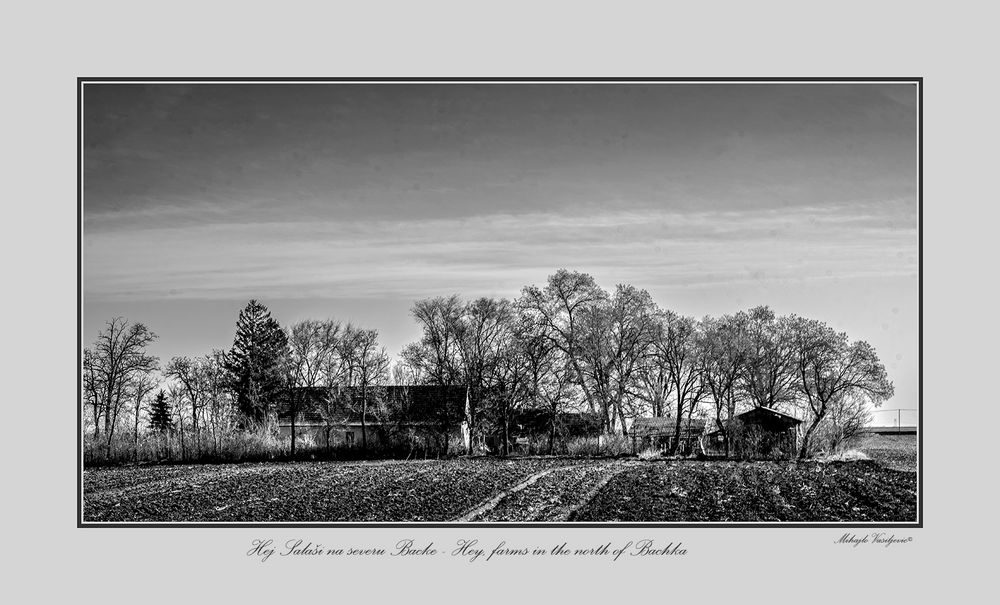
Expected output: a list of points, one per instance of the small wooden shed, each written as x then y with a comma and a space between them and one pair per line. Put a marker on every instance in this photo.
757, 433
660, 432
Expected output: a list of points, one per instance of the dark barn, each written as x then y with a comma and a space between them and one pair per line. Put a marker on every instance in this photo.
425, 414
757, 433
535, 431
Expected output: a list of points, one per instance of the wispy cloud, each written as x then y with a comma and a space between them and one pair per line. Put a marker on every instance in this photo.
364, 198
494, 253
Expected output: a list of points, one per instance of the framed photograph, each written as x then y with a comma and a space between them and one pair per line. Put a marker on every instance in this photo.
528, 302
649, 302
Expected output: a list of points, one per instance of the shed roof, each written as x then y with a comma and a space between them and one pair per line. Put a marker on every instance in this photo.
665, 426
766, 417
768, 414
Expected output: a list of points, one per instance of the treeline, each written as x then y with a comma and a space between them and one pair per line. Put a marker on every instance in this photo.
222, 405
566, 346
570, 344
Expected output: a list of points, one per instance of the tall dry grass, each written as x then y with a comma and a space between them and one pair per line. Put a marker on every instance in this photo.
255, 445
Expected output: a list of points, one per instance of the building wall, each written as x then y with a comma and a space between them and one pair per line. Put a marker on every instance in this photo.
753, 442
689, 443
341, 436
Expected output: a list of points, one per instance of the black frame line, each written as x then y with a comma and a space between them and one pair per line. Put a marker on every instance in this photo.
918, 81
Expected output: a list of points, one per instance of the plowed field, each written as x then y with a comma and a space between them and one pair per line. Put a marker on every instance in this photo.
490, 490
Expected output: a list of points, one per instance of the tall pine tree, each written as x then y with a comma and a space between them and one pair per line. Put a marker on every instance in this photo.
159, 414
256, 363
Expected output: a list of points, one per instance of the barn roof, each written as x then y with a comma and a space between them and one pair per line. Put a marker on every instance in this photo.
417, 403
766, 417
768, 414
665, 425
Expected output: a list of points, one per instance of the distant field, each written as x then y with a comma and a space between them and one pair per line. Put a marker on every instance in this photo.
893, 451
516, 490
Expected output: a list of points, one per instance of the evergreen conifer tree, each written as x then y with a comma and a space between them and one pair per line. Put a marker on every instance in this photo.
159, 414
256, 363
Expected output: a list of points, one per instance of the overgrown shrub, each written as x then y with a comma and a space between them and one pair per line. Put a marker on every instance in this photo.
650, 454
750, 442
845, 456
846, 419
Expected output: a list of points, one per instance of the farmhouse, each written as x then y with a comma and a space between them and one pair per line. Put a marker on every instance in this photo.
348, 416
660, 432
423, 415
757, 433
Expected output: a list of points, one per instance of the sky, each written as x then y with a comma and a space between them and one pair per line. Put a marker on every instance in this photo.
352, 201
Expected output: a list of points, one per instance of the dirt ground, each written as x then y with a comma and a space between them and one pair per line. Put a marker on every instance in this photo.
693, 491
490, 490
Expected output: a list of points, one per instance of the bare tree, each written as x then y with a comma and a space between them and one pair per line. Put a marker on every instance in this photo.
768, 372
313, 347
142, 386
562, 301
654, 388
676, 347
633, 327
437, 356
615, 340
403, 374
370, 367
93, 388
595, 354
558, 394
829, 367
509, 383
847, 416
336, 399
723, 350
175, 395
118, 359
192, 378
547, 374
219, 397
484, 335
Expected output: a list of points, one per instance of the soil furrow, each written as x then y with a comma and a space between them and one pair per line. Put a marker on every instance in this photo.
497, 490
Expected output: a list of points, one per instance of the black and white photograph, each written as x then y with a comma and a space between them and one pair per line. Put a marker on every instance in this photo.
500, 302
550, 302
